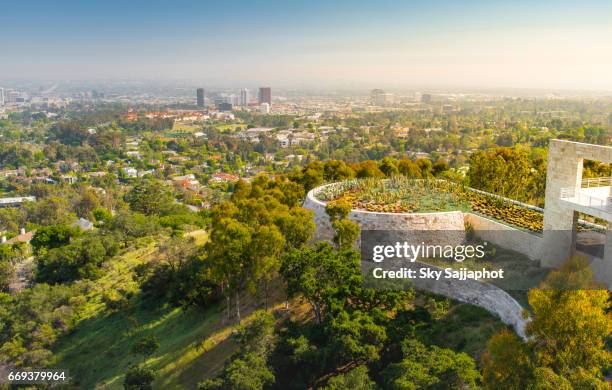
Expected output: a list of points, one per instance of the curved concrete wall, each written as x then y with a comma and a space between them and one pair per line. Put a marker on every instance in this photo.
368, 220
504, 236
487, 296
474, 292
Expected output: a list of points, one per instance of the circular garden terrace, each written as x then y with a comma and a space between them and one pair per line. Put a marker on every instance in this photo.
445, 209
402, 195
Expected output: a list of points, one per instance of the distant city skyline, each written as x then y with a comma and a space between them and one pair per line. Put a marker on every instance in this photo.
350, 44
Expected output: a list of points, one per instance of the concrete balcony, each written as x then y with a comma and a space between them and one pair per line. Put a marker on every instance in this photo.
593, 198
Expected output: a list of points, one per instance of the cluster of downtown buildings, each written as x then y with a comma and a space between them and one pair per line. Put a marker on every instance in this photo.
10, 96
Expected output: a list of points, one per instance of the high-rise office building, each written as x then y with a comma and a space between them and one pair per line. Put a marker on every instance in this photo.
265, 95
200, 97
244, 97
1, 96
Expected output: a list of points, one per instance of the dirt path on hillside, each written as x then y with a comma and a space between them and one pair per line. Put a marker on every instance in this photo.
23, 275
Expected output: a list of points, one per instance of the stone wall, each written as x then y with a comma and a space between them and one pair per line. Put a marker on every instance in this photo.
601, 268
367, 220
486, 229
505, 236
564, 171
324, 230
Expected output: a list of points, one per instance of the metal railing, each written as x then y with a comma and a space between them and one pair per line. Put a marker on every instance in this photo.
597, 182
570, 194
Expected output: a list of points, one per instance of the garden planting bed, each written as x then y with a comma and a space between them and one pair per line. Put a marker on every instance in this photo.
403, 195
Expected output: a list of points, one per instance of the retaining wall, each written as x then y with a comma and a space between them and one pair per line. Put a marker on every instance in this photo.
505, 236
486, 229
369, 220
487, 296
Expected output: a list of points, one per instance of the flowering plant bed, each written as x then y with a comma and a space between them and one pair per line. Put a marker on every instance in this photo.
403, 195
510, 213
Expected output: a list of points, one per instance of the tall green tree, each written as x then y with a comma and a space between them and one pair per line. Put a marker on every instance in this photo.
148, 197
502, 171
248, 369
425, 367
566, 336
53, 236
230, 241
321, 276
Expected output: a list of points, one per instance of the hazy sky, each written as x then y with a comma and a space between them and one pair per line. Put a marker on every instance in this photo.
403, 44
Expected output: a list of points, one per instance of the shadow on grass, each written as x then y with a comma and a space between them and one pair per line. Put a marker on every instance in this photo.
97, 351
465, 328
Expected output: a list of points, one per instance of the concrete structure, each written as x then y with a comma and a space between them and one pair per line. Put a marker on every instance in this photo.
474, 292
505, 236
255, 133
16, 201
223, 106
380, 97
502, 235
368, 220
451, 225
567, 195
287, 138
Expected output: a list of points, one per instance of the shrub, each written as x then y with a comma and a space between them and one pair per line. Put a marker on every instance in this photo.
138, 378
338, 210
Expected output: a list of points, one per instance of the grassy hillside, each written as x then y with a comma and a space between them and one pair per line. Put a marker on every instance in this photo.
193, 345
97, 353
114, 318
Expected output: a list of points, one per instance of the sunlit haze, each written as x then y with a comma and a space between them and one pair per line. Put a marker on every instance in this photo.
518, 44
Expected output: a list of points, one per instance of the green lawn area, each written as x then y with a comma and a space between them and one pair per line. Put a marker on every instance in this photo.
186, 126
230, 127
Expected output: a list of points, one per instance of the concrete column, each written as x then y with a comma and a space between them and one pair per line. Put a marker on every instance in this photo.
602, 268
608, 245
564, 171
